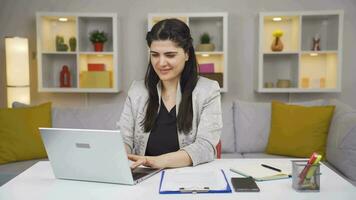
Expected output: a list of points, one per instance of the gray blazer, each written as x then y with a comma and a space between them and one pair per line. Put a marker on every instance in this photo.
200, 143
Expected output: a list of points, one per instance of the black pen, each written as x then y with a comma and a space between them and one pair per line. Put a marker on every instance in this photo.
273, 168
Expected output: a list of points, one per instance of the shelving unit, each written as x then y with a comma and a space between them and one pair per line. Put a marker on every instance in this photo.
305, 69
52, 59
216, 25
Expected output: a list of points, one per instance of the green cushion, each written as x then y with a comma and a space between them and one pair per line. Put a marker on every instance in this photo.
299, 131
19, 134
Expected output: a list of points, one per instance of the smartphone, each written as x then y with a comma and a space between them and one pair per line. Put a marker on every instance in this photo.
244, 184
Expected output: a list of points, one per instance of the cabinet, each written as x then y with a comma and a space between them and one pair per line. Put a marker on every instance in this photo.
311, 58
90, 71
212, 62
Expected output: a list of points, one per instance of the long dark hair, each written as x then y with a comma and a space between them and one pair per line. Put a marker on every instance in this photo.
179, 33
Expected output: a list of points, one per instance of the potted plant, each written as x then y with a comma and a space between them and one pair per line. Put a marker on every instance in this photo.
98, 38
205, 44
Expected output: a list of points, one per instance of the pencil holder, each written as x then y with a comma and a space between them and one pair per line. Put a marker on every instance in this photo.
306, 178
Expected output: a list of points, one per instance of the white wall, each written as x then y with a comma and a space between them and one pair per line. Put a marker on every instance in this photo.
17, 17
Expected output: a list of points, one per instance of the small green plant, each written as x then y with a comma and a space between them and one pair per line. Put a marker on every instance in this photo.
205, 38
72, 43
98, 36
59, 40
60, 45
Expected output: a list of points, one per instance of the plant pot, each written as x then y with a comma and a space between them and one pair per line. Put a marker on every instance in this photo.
205, 47
98, 46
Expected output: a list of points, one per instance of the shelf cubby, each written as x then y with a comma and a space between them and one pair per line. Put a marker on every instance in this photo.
211, 25
318, 70
51, 27
323, 26
90, 24
281, 67
52, 66
96, 79
290, 38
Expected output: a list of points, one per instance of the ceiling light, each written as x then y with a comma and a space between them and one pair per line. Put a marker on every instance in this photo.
277, 19
62, 19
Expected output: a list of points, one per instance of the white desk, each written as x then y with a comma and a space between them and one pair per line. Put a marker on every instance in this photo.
38, 183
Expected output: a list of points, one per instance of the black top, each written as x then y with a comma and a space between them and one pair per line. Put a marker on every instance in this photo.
163, 137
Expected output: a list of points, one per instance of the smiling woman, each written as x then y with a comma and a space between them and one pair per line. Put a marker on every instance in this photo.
167, 59
173, 117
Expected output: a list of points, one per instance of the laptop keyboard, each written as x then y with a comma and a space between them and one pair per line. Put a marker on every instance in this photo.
138, 175
141, 172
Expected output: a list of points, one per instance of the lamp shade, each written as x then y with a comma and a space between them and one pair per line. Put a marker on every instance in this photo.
19, 94
17, 70
17, 62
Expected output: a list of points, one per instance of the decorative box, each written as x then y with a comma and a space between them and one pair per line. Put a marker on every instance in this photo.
96, 67
95, 79
206, 68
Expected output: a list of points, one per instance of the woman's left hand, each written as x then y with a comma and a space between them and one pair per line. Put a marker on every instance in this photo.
148, 161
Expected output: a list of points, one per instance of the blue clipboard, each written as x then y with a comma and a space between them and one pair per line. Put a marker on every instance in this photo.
194, 191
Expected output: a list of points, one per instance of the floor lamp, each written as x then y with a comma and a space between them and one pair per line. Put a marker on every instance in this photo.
17, 70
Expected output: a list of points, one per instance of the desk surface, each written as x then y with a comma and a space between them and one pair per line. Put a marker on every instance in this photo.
38, 183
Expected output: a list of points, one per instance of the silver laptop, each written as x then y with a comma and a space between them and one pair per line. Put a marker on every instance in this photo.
91, 155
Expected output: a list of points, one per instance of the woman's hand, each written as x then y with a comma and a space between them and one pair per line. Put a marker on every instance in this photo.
156, 162
169, 160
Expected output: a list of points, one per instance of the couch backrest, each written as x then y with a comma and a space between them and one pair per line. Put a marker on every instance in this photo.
227, 137
105, 117
252, 122
341, 143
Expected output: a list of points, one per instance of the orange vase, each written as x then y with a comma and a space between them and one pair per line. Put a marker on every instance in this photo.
277, 44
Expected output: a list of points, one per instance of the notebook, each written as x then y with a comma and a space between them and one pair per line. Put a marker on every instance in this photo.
260, 173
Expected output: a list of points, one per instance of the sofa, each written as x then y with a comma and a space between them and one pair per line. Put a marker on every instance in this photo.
245, 133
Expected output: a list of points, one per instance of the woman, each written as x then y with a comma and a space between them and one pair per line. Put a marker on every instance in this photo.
173, 117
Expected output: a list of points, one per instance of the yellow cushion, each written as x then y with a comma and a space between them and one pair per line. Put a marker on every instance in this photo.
298, 131
19, 134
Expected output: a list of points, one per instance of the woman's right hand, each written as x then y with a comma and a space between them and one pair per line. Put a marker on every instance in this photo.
147, 161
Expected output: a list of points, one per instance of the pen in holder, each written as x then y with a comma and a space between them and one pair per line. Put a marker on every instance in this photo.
306, 177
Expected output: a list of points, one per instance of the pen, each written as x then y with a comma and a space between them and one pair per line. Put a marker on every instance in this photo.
270, 167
